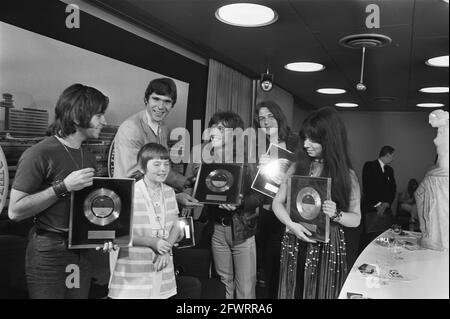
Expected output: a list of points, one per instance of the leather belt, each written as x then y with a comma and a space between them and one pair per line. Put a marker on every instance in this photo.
44, 232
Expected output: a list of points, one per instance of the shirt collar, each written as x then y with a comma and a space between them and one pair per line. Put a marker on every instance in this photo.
153, 126
382, 164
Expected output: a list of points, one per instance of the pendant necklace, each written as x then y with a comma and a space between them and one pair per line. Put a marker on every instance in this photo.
157, 204
316, 167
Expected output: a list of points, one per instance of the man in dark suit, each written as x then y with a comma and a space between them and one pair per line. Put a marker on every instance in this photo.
379, 190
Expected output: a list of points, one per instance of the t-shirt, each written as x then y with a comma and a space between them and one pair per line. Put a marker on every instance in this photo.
41, 165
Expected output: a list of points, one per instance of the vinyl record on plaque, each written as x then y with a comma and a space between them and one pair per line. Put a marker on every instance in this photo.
308, 203
219, 180
102, 206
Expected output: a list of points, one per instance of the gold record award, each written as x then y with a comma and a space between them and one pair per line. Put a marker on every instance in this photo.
269, 177
102, 212
219, 180
306, 195
102, 206
308, 203
219, 183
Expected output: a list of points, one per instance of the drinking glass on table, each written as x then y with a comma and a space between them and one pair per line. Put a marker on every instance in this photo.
395, 245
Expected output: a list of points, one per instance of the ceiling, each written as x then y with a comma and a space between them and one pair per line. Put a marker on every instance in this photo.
310, 30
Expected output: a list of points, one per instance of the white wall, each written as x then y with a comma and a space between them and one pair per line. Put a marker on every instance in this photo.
408, 132
36, 69
299, 115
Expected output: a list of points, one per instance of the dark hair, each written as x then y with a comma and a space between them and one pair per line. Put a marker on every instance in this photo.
161, 86
283, 128
151, 151
233, 121
75, 108
386, 150
412, 186
324, 126
228, 119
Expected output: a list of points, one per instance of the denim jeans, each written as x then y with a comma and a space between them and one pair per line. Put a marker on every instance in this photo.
235, 264
47, 272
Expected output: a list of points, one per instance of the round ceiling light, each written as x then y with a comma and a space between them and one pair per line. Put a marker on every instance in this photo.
435, 89
246, 15
346, 104
439, 61
304, 67
331, 91
430, 105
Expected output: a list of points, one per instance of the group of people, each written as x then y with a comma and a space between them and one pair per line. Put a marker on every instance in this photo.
295, 266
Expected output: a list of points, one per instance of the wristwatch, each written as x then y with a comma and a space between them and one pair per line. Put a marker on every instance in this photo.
60, 189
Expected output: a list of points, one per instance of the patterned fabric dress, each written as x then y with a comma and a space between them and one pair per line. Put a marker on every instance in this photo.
134, 274
325, 267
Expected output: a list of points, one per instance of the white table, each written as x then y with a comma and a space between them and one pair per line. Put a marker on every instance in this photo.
425, 272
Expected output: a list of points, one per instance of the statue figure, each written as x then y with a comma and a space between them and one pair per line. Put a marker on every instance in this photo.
432, 194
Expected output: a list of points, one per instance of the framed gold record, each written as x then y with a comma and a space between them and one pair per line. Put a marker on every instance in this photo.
219, 183
102, 206
102, 212
308, 203
219, 180
269, 177
305, 199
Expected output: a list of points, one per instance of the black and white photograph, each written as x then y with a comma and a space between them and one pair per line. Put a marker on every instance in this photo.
173, 150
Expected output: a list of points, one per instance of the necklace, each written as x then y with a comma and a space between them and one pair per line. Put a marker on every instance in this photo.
70, 155
315, 168
158, 206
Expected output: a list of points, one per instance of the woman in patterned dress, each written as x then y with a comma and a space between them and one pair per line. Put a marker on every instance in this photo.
315, 269
146, 271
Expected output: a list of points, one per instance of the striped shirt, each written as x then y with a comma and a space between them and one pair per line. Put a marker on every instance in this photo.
135, 276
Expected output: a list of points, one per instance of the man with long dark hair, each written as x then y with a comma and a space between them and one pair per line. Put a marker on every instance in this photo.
46, 174
271, 120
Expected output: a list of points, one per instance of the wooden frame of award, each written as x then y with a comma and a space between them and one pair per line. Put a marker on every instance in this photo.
102, 212
269, 177
304, 201
219, 183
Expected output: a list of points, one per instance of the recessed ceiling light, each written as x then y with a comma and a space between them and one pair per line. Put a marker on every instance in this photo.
430, 104
435, 89
446, 1
346, 104
304, 66
246, 15
331, 91
439, 61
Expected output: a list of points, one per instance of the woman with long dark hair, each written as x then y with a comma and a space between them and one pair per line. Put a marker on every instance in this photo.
322, 267
271, 119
